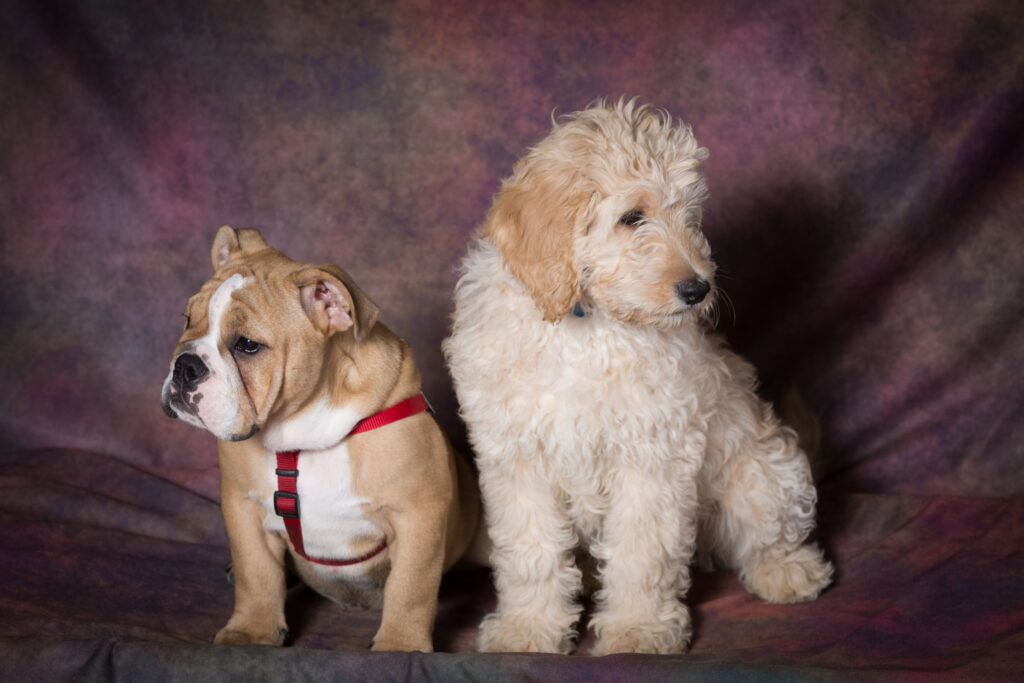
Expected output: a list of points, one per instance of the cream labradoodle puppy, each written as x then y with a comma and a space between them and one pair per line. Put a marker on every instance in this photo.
606, 417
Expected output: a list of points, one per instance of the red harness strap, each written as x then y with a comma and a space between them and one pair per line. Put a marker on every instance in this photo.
286, 498
399, 411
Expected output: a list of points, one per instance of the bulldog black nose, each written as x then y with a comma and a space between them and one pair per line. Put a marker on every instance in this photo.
188, 370
692, 290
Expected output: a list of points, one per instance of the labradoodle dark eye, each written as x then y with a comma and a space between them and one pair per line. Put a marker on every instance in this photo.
632, 218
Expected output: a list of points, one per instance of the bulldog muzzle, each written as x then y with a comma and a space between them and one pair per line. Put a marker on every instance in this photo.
188, 373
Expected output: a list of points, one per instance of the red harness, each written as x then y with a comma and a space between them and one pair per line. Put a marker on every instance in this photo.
286, 498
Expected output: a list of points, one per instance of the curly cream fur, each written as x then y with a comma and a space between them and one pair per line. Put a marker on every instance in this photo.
632, 432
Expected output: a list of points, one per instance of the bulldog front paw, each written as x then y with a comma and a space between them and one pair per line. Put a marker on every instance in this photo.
397, 643
237, 636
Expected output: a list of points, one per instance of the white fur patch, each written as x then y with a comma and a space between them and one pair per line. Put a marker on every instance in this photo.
219, 303
316, 427
331, 512
219, 408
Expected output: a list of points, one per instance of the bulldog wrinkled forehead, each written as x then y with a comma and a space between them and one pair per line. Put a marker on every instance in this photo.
207, 307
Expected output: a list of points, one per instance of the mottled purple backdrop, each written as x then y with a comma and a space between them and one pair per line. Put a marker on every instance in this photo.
866, 169
865, 172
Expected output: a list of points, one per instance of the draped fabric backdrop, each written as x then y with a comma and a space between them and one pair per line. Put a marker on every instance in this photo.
867, 200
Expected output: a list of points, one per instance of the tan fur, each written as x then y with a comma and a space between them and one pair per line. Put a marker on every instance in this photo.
325, 350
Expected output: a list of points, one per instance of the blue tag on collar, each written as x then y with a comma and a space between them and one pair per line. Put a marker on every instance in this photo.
578, 311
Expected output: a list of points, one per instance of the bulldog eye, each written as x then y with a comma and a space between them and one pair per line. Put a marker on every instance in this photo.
248, 346
632, 218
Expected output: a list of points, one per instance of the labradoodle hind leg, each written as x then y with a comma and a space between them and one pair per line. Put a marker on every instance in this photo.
765, 512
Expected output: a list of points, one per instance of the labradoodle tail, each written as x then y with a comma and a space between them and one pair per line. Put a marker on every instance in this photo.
795, 413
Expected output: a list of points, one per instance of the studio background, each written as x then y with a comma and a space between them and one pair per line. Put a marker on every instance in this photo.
867, 194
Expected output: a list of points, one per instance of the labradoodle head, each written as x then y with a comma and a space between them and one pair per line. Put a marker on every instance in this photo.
606, 212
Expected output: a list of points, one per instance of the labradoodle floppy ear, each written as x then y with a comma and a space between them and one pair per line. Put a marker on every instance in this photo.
533, 221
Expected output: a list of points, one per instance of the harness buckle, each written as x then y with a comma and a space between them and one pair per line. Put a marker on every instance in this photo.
286, 510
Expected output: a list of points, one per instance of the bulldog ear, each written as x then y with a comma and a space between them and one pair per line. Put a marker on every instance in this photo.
533, 222
229, 242
334, 303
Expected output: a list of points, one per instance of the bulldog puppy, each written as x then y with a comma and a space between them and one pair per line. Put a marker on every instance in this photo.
331, 466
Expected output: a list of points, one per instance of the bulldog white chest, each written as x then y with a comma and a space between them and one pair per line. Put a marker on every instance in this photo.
331, 513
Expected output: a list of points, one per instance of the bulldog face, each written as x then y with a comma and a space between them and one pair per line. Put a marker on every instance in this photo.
261, 316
